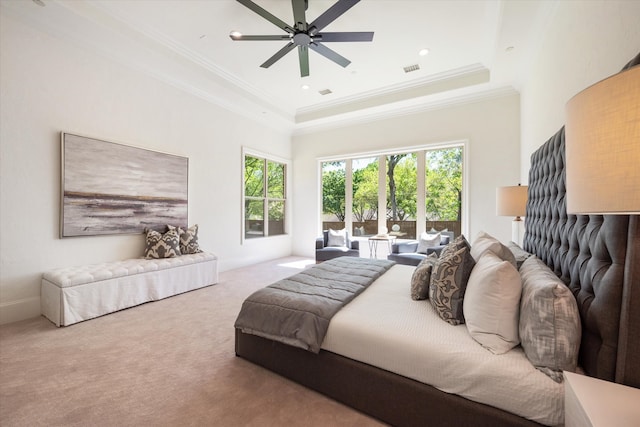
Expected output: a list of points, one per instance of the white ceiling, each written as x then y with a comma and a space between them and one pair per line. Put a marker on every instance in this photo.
478, 48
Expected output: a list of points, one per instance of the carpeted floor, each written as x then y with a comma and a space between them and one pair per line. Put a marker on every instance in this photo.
166, 363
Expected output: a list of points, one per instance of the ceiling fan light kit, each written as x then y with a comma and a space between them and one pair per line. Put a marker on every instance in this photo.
304, 35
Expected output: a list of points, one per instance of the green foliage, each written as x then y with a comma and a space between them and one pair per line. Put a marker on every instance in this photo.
275, 181
444, 185
402, 187
365, 192
443, 192
253, 177
333, 188
254, 189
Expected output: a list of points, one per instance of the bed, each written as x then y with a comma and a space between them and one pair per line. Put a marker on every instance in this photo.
597, 257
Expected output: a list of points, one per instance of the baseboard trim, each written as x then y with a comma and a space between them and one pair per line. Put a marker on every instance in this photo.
14, 311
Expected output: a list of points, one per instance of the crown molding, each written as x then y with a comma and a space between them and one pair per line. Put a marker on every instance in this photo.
401, 109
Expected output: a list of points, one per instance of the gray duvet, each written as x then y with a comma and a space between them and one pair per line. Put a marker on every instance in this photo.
297, 310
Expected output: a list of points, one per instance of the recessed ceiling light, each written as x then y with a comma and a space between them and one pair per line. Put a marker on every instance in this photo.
203, 36
423, 52
305, 87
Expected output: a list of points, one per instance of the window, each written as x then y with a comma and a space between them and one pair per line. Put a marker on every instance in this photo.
422, 188
264, 196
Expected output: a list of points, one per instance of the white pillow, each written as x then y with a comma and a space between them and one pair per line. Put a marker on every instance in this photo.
492, 303
485, 242
337, 238
427, 241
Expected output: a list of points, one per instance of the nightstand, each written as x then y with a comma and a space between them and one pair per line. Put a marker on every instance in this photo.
590, 402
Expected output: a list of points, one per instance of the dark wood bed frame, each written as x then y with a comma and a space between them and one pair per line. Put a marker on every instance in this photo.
598, 257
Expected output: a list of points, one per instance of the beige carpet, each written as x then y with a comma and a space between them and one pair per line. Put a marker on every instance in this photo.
166, 363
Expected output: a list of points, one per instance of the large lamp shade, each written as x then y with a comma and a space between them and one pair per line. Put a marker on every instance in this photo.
603, 147
511, 201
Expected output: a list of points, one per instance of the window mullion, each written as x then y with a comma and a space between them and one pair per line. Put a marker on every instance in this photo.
421, 208
382, 193
265, 202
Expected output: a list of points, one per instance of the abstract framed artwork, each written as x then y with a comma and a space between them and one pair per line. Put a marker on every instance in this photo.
111, 188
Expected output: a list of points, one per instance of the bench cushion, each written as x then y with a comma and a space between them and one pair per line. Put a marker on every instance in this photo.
74, 276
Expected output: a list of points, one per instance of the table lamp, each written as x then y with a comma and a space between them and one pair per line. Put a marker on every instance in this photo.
512, 201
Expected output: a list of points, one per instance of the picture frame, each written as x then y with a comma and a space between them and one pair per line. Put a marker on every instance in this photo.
112, 188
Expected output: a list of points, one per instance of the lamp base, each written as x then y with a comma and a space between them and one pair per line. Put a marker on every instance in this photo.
517, 230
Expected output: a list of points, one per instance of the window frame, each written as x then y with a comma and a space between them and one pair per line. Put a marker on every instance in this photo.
266, 158
420, 150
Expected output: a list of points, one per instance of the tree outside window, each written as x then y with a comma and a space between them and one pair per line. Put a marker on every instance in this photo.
264, 197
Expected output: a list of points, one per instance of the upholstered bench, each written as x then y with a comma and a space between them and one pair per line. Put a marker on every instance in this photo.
70, 295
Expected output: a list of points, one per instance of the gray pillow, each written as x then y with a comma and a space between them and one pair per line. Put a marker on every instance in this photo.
448, 284
421, 278
520, 254
159, 245
188, 239
550, 329
457, 244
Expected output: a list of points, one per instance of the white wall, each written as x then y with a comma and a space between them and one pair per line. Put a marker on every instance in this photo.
491, 127
585, 42
48, 86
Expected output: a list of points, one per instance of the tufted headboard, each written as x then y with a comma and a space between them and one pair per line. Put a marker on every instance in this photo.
597, 256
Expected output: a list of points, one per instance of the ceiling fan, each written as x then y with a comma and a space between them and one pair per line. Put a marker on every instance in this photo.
304, 35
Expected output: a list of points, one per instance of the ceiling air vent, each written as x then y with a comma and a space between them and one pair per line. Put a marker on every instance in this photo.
410, 68
325, 91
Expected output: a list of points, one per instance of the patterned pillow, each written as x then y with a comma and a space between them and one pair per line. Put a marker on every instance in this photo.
421, 278
550, 329
457, 244
159, 245
448, 284
188, 239
485, 242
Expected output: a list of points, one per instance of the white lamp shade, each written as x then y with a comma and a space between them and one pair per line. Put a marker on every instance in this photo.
603, 147
511, 201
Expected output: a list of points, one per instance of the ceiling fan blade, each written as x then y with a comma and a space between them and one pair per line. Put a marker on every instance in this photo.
330, 54
303, 55
266, 15
279, 54
344, 37
299, 8
253, 38
331, 14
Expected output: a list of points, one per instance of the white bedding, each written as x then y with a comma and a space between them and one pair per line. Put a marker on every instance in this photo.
385, 328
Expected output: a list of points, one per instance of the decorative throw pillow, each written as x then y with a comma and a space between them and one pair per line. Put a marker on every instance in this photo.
457, 244
520, 254
160, 245
188, 239
485, 242
550, 329
421, 278
337, 238
426, 241
449, 279
491, 303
